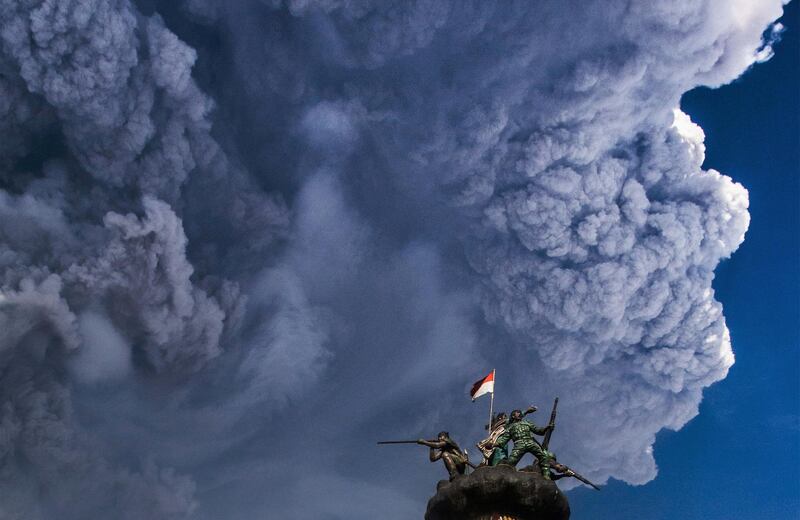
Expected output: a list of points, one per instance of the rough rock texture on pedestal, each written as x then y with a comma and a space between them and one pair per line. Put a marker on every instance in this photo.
496, 492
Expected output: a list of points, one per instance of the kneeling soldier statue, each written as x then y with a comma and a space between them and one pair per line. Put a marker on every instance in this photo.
446, 449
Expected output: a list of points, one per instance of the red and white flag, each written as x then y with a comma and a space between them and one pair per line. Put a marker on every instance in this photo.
483, 386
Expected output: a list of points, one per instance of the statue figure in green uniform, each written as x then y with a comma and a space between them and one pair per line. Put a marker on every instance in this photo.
521, 432
493, 452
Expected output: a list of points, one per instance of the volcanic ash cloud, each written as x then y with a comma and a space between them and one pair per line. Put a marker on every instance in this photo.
225, 224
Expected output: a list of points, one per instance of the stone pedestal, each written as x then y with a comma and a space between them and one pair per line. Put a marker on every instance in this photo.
498, 493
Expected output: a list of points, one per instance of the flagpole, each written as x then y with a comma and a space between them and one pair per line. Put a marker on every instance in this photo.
491, 402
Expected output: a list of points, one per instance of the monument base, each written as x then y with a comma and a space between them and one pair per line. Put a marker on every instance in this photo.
498, 493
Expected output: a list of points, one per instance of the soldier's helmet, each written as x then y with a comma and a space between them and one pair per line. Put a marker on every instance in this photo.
516, 415
443, 435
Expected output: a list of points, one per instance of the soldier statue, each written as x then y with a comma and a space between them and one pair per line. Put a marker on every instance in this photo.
494, 453
521, 432
443, 448
446, 449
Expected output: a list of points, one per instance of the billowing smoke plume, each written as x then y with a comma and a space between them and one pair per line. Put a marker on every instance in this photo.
242, 240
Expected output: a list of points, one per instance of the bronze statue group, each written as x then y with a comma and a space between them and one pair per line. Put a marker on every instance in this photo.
503, 430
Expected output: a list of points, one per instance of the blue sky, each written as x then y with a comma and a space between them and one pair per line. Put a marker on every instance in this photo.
740, 458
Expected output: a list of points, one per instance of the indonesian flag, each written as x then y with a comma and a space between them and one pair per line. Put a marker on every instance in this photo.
483, 386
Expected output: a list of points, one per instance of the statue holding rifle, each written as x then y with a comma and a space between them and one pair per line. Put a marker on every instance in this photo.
443, 448
521, 432
549, 467
493, 452
446, 449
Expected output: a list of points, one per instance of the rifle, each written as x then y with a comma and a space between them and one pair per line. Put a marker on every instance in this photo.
552, 424
464, 453
571, 473
402, 442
